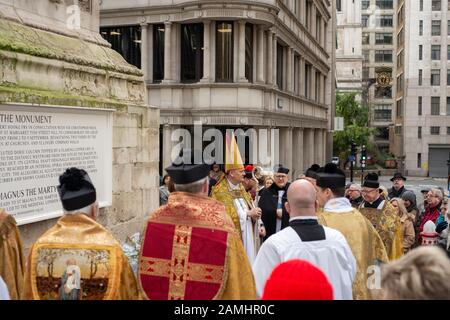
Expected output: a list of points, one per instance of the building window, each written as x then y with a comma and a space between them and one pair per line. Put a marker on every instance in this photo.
224, 51
366, 38
383, 38
436, 5
400, 80
383, 55
365, 4
448, 27
385, 4
280, 66
448, 52
435, 131
158, 52
436, 27
448, 106
448, 130
421, 28
435, 77
385, 21
398, 129
382, 113
126, 41
191, 52
365, 20
420, 77
435, 106
435, 52
419, 132
383, 92
419, 160
249, 52
420, 52
419, 111
399, 109
448, 77
339, 5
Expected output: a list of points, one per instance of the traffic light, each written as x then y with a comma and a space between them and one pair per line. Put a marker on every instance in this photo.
353, 150
363, 155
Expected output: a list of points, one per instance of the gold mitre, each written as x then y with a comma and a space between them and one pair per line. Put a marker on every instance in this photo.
233, 159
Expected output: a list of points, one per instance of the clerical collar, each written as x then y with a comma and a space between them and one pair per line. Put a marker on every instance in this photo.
303, 218
338, 205
233, 186
375, 204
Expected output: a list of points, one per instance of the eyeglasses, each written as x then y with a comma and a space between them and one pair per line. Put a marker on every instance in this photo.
280, 177
369, 191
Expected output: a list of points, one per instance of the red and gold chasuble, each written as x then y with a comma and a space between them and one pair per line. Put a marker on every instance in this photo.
186, 248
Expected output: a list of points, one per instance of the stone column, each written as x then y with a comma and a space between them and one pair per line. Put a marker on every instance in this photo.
302, 76
274, 62
324, 145
308, 159
167, 51
286, 148
269, 78
303, 11
144, 50
150, 53
241, 52
289, 69
206, 51
313, 83
260, 55
167, 146
313, 19
297, 153
323, 35
318, 146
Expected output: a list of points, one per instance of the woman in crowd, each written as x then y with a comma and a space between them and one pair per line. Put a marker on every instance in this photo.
408, 234
434, 201
164, 190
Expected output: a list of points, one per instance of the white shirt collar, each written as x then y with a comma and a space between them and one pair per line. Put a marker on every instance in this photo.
303, 218
338, 205
233, 186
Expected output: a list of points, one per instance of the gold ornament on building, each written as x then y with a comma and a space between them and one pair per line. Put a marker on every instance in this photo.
384, 79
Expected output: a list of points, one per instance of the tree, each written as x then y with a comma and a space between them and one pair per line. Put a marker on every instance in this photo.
356, 121
96, 258
48, 256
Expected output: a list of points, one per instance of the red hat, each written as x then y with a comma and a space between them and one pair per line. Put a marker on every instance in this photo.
249, 168
297, 280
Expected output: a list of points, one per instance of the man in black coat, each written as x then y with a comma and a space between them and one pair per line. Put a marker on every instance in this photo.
272, 200
398, 187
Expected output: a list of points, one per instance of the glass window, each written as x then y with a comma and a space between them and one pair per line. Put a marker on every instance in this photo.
448, 130
448, 52
385, 4
191, 52
419, 111
399, 109
365, 20
419, 160
421, 5
448, 77
383, 55
224, 51
383, 38
448, 27
435, 77
419, 132
126, 41
420, 52
382, 112
448, 106
435, 106
436, 5
436, 27
421, 28
385, 21
366, 38
158, 52
420, 77
365, 4
435, 52
280, 66
435, 131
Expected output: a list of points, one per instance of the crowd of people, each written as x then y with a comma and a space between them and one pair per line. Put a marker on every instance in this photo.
227, 235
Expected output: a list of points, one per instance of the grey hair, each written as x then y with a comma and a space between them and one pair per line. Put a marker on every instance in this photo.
193, 187
438, 193
423, 273
356, 186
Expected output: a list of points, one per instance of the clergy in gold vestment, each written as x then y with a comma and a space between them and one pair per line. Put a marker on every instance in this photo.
190, 249
238, 202
78, 259
337, 213
12, 262
382, 216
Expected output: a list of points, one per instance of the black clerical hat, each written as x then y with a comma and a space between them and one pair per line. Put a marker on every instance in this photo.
371, 181
311, 172
191, 172
280, 169
76, 190
398, 175
331, 177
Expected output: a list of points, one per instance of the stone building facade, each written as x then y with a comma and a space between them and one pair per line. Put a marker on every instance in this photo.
349, 58
422, 118
43, 62
235, 64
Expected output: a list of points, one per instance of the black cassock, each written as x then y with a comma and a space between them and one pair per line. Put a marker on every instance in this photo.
268, 203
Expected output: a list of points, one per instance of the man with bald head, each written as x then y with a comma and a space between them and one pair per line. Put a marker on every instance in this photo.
306, 239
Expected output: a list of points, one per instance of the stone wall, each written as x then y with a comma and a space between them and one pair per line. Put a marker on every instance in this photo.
39, 67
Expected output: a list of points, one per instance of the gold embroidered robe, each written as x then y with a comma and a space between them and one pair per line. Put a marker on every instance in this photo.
180, 235
12, 262
364, 241
222, 193
79, 241
388, 225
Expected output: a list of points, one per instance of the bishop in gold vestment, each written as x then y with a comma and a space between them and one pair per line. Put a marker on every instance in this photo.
338, 213
382, 216
12, 262
78, 259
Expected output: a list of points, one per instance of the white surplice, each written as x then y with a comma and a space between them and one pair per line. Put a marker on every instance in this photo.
4, 294
332, 255
247, 226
